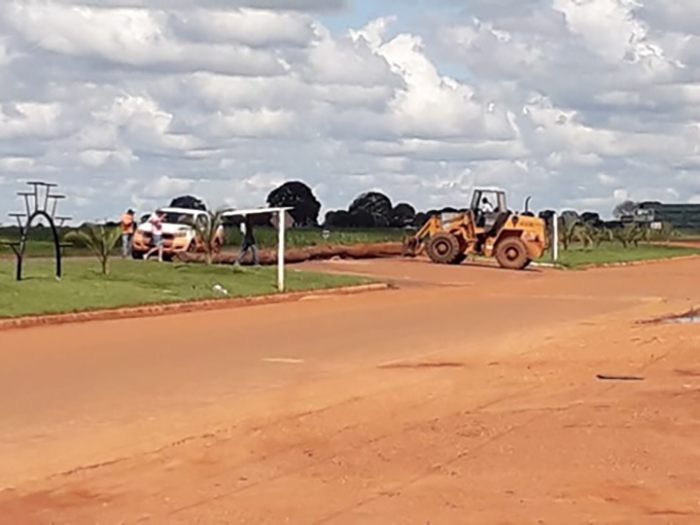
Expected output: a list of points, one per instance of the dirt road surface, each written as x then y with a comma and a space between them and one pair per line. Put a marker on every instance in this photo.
467, 395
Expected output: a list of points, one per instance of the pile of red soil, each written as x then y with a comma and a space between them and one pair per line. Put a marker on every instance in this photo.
298, 255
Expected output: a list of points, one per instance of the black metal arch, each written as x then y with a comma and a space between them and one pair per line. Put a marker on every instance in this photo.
34, 210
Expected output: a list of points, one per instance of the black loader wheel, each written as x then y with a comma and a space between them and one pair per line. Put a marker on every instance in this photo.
443, 248
511, 253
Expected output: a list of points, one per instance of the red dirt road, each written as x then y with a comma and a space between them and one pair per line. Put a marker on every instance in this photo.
469, 395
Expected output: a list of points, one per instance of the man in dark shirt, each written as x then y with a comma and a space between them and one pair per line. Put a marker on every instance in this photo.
249, 242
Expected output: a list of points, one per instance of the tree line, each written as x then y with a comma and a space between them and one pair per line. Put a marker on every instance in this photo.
374, 209
368, 210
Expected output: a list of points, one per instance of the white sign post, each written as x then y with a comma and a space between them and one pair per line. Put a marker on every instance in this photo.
280, 250
555, 240
280, 213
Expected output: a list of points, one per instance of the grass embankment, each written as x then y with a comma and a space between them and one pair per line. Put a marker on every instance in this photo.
138, 283
608, 253
41, 246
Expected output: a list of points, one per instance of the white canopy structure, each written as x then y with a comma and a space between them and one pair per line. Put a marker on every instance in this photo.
281, 227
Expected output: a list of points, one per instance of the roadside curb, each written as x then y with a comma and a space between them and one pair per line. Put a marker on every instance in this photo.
158, 310
636, 263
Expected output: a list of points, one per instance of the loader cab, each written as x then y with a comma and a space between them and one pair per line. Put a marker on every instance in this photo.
487, 205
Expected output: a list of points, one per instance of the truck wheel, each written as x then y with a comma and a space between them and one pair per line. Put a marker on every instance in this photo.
511, 253
443, 248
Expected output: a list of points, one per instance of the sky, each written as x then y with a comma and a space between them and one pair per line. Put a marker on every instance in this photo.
128, 103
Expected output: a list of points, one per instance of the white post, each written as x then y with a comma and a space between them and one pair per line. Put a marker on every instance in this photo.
280, 251
555, 240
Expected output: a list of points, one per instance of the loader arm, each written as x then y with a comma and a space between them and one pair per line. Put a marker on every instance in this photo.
413, 245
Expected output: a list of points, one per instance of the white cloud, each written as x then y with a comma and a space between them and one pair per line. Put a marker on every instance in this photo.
164, 186
16, 164
137, 38
287, 5
131, 102
29, 120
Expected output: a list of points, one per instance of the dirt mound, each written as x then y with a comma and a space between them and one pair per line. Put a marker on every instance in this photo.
311, 253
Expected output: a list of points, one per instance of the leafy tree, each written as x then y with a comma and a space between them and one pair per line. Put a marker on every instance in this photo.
629, 234
590, 217
376, 204
361, 219
570, 216
600, 234
99, 239
546, 215
625, 209
420, 219
566, 232
298, 196
189, 202
572, 229
338, 219
402, 215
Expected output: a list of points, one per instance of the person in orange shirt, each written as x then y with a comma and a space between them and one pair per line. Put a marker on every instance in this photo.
128, 228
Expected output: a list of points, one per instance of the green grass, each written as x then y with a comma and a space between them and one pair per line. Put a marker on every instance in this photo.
44, 249
133, 283
266, 237
302, 238
685, 235
608, 253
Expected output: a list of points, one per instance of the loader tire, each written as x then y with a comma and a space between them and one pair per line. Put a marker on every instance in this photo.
511, 253
443, 248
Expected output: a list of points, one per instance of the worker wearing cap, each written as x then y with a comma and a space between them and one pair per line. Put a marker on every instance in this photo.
128, 227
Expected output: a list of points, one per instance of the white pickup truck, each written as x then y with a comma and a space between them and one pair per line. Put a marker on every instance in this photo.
178, 233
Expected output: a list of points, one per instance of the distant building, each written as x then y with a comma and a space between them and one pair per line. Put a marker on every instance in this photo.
680, 216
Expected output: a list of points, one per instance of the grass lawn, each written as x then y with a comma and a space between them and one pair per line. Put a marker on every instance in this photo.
303, 237
266, 237
615, 253
132, 283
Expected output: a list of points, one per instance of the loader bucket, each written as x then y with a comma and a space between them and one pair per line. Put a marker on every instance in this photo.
410, 246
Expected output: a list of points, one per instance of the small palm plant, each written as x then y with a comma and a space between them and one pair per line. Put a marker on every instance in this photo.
208, 228
629, 234
99, 239
600, 235
570, 231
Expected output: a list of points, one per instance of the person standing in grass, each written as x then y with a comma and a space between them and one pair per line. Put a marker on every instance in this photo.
128, 227
249, 242
156, 221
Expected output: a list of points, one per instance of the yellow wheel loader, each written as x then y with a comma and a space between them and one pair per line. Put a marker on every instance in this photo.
484, 230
